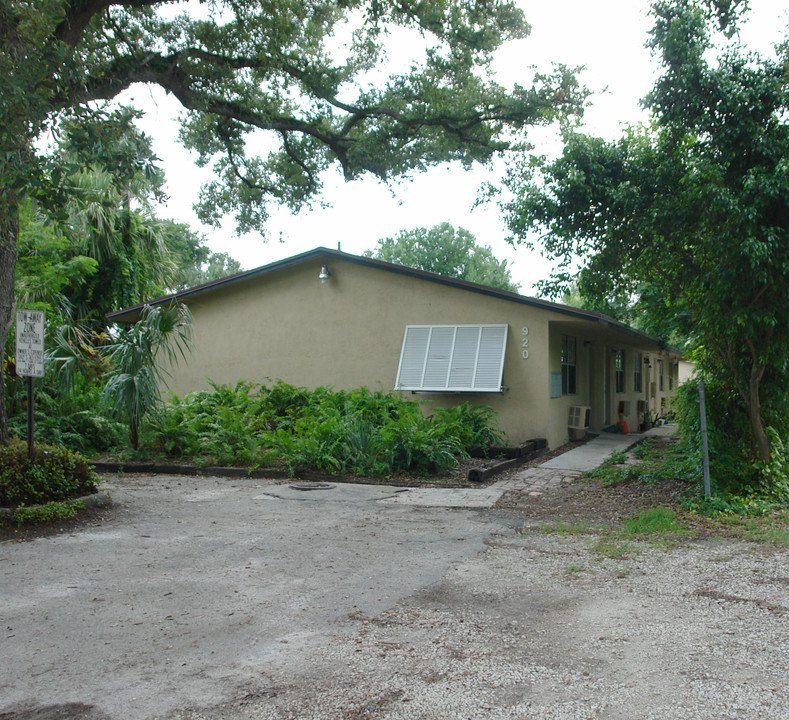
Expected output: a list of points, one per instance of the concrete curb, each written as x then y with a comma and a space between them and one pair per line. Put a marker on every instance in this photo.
516, 456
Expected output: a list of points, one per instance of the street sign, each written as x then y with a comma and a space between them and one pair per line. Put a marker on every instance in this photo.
30, 343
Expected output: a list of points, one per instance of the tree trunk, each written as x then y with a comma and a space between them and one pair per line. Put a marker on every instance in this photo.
760, 441
134, 434
9, 234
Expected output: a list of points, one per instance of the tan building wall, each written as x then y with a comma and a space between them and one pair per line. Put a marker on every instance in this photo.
287, 325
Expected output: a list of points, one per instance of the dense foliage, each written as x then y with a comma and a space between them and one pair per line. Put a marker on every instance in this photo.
139, 358
692, 213
739, 483
54, 473
73, 419
447, 251
346, 431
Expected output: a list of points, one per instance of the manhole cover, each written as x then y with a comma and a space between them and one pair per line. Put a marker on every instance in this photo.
311, 486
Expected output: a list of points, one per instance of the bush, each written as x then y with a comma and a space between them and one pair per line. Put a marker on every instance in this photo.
49, 512
727, 433
53, 474
71, 418
474, 425
358, 431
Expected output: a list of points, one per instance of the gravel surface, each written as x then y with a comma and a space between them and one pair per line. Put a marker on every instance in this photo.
348, 606
540, 627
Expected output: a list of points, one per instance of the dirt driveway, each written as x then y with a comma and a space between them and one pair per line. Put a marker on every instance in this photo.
211, 598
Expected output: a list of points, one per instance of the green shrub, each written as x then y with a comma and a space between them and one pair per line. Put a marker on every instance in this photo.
48, 512
69, 418
474, 425
357, 431
54, 473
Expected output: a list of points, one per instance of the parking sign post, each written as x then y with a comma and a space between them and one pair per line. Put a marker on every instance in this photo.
30, 358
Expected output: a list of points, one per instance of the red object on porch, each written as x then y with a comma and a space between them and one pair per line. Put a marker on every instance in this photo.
622, 425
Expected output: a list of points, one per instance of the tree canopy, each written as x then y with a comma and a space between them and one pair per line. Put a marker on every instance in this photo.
690, 214
447, 251
275, 92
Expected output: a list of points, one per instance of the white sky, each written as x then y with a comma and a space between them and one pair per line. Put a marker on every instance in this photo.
606, 36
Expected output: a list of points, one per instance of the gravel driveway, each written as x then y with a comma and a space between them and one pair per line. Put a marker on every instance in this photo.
210, 598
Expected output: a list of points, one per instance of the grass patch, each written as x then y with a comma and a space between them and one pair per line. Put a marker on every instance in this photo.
613, 548
772, 528
658, 521
40, 514
573, 570
560, 527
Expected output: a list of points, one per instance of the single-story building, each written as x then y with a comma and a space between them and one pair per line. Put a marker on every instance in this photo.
330, 318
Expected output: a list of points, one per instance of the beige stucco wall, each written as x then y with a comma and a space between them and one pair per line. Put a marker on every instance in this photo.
596, 376
348, 333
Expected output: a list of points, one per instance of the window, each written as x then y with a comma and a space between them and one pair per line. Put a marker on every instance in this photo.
452, 358
671, 377
568, 365
638, 365
660, 375
619, 370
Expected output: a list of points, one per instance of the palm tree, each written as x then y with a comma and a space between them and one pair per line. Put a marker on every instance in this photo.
162, 333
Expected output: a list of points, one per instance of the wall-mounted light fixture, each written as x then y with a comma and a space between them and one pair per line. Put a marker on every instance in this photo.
324, 276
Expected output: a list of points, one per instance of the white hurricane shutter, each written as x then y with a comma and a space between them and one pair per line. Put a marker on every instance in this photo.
490, 360
464, 359
413, 356
452, 358
439, 353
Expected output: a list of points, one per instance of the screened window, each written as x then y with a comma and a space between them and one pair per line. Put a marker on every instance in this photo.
619, 370
660, 375
452, 358
638, 370
569, 365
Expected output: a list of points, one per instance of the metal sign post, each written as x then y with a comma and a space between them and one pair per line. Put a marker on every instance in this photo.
704, 444
30, 358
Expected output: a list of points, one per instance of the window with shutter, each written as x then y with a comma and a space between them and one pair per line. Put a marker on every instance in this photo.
452, 358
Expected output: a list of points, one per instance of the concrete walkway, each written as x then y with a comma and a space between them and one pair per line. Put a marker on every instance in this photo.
554, 473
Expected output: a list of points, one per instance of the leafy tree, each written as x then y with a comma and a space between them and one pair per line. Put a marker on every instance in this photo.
273, 75
48, 268
447, 251
194, 261
107, 214
133, 384
646, 309
696, 207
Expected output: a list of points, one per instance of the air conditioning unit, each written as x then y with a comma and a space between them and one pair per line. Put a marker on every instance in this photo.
624, 407
579, 417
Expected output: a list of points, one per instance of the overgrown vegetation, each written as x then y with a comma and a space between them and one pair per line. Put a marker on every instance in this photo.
680, 463
739, 486
360, 431
52, 474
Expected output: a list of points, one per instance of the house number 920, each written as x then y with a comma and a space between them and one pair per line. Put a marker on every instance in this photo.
525, 344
